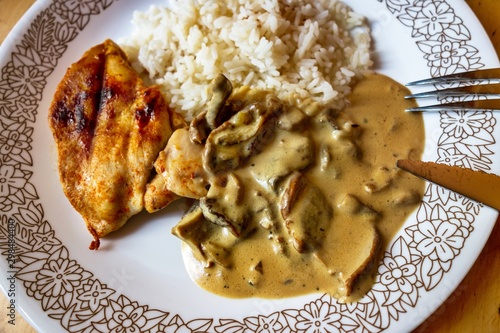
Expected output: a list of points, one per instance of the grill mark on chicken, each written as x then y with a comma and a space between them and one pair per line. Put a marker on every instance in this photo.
145, 114
62, 115
106, 95
76, 110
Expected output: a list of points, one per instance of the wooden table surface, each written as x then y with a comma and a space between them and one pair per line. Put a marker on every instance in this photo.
475, 304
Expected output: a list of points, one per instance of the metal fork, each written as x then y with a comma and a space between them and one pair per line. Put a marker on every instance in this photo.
469, 91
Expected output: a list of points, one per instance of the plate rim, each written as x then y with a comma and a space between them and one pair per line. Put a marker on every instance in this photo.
30, 15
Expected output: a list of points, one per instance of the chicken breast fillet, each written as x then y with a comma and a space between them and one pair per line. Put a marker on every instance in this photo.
109, 128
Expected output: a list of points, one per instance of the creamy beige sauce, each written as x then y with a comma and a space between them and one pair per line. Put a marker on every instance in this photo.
333, 175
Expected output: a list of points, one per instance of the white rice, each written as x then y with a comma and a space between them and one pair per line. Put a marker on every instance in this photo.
301, 48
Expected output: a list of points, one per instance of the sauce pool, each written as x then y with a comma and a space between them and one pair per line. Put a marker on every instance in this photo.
321, 198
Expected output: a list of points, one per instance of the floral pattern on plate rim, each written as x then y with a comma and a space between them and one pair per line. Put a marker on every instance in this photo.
415, 263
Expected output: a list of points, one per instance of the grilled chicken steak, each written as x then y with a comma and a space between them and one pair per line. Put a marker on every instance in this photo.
109, 128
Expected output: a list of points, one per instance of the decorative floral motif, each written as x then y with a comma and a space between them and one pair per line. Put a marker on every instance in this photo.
129, 318
398, 282
78, 12
450, 156
58, 277
416, 261
43, 239
397, 274
461, 125
25, 108
439, 240
26, 80
318, 317
446, 56
177, 325
15, 142
433, 19
11, 180
12, 183
264, 324
95, 295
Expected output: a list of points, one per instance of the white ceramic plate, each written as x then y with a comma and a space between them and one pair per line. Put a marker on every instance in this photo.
137, 279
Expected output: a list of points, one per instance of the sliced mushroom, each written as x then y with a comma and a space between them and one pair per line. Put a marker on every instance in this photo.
355, 239
237, 139
363, 243
217, 253
292, 152
191, 231
219, 91
307, 213
221, 204
325, 158
201, 236
345, 136
198, 128
217, 111
353, 206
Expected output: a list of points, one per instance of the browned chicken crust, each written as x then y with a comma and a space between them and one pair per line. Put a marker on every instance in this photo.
109, 128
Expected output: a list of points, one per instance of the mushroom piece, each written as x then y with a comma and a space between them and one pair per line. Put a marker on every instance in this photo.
237, 139
364, 248
221, 204
293, 152
190, 230
307, 213
328, 119
354, 238
219, 91
405, 197
200, 235
353, 206
198, 128
217, 253
216, 113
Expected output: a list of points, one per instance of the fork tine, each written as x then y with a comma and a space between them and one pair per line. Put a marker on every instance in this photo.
477, 105
493, 75
485, 90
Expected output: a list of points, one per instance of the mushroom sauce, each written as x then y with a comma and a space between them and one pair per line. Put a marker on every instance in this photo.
295, 198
